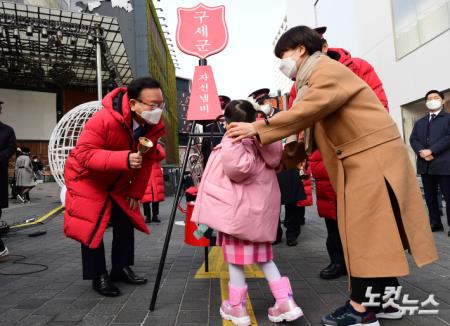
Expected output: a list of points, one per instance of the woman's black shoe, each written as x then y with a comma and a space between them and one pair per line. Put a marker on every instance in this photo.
104, 286
156, 219
333, 271
148, 219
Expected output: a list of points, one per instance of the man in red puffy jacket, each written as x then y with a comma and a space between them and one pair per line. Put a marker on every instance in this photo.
326, 198
105, 178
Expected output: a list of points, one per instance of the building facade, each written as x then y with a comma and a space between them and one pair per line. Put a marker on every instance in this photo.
143, 51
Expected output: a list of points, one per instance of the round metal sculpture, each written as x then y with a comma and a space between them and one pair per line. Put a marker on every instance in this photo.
65, 135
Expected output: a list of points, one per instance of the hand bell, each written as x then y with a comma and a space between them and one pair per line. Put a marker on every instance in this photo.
144, 145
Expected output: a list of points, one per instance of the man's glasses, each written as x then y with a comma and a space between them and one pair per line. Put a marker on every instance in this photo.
154, 106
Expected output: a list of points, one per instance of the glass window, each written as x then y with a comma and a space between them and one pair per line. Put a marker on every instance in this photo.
417, 22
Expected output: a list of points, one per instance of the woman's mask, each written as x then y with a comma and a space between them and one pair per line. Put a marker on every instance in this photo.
433, 104
288, 67
151, 117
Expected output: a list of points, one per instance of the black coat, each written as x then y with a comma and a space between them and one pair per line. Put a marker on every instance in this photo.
438, 141
208, 142
291, 186
7, 149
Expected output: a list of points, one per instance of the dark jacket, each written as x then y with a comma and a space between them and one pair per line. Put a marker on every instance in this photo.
208, 142
291, 186
7, 149
438, 141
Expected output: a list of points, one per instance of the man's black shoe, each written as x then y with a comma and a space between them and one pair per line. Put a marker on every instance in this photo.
436, 228
156, 219
333, 271
104, 286
291, 242
127, 275
148, 220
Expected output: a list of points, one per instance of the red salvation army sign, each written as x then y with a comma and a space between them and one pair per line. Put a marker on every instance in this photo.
201, 30
204, 103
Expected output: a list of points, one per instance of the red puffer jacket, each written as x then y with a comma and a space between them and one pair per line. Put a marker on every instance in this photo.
156, 183
97, 172
363, 70
326, 198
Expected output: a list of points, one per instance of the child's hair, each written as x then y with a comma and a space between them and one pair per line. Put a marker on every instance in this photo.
240, 111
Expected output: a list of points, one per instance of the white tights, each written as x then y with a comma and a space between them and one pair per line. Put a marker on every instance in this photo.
237, 275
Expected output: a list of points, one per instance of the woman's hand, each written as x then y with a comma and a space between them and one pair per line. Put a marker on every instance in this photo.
241, 130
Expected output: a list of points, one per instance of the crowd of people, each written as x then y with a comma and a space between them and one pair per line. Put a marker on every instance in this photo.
337, 132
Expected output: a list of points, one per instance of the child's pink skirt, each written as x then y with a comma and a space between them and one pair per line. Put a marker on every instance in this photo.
243, 252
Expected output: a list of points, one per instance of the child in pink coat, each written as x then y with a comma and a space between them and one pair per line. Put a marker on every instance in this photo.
239, 196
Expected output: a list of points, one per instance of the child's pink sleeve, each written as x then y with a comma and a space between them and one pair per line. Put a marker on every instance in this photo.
238, 159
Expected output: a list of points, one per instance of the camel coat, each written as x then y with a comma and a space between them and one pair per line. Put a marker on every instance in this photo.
364, 155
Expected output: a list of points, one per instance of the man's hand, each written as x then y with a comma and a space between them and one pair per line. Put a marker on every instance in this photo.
135, 160
424, 153
240, 130
134, 203
429, 158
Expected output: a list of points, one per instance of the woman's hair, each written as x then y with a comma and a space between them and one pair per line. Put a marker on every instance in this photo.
296, 36
239, 111
25, 151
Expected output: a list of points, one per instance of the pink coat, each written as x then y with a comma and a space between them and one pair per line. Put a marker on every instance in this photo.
239, 194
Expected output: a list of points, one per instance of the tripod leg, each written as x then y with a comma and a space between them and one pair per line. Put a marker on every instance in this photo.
206, 260
171, 221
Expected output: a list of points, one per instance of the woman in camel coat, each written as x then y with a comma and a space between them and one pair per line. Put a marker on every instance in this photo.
380, 208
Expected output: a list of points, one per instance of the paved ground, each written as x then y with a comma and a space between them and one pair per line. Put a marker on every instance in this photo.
58, 296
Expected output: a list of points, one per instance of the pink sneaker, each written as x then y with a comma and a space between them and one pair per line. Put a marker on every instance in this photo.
236, 314
235, 309
286, 311
285, 307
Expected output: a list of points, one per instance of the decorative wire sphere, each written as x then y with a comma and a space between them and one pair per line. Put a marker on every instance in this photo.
65, 135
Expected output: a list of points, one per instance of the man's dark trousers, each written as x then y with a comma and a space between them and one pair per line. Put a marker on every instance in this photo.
430, 188
122, 252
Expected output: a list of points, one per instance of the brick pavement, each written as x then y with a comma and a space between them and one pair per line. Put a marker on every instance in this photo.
59, 296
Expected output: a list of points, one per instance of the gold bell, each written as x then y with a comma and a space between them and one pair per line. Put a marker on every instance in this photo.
144, 145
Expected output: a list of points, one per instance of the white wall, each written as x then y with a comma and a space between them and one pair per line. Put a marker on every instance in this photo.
31, 114
365, 28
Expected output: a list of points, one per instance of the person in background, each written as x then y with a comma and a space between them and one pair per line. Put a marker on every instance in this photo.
38, 168
24, 175
7, 149
291, 185
430, 140
155, 188
208, 143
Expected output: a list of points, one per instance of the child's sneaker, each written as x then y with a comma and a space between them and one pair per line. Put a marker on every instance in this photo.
285, 311
347, 316
285, 307
238, 315
235, 309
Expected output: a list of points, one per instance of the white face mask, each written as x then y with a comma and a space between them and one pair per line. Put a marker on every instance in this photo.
288, 67
151, 117
265, 108
433, 104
